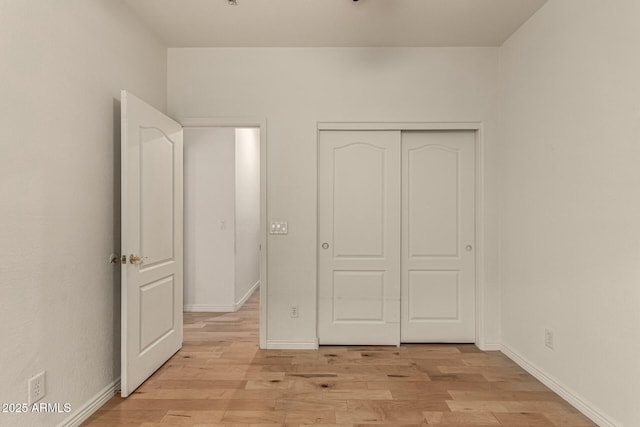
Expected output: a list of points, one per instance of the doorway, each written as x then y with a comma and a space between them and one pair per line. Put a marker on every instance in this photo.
221, 217
225, 215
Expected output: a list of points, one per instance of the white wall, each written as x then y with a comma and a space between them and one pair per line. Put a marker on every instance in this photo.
570, 231
209, 198
294, 89
247, 206
63, 64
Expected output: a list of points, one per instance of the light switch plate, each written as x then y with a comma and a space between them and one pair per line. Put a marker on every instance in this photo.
278, 227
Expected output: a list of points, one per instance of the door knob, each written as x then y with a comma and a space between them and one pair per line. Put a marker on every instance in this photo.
469, 248
135, 259
325, 245
117, 259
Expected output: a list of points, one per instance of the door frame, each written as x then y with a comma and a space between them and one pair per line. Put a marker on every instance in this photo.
260, 123
477, 128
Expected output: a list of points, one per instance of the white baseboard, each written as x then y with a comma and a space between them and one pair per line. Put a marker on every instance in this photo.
581, 404
204, 308
199, 308
81, 414
292, 345
246, 296
490, 346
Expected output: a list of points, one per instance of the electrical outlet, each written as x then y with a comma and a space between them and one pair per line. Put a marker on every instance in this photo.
293, 310
37, 387
548, 338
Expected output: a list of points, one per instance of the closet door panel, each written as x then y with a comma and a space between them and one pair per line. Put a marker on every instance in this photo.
438, 236
359, 237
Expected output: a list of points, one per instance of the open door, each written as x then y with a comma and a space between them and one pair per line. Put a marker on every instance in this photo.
152, 174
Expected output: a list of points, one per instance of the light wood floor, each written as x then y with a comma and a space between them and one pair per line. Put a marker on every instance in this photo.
221, 377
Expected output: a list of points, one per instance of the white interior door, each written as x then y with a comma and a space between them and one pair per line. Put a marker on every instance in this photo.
438, 236
359, 237
151, 240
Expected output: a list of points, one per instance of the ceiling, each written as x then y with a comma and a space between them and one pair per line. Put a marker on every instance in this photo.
333, 23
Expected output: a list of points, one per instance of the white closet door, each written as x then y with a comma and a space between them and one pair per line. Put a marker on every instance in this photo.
438, 233
359, 237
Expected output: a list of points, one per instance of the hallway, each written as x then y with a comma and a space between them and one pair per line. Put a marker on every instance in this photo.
221, 377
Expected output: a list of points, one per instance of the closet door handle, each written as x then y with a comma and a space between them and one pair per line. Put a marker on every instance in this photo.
325, 245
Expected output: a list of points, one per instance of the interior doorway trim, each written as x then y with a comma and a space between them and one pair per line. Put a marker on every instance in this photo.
261, 123
475, 126
472, 126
